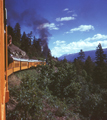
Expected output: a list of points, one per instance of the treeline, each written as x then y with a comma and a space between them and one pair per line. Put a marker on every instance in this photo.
62, 90
29, 43
81, 85
96, 70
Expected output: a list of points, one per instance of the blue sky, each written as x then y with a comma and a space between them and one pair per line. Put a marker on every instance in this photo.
72, 24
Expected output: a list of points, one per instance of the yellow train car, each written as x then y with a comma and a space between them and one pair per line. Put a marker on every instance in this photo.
22, 64
5, 70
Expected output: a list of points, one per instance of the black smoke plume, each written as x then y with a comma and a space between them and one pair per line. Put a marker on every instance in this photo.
29, 18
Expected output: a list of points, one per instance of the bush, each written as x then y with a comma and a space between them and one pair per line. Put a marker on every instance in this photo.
51, 91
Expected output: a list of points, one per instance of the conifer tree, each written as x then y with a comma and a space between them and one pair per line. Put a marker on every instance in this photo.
100, 56
81, 59
17, 33
33, 52
38, 45
24, 42
29, 35
77, 65
34, 41
11, 32
65, 60
100, 75
81, 55
89, 65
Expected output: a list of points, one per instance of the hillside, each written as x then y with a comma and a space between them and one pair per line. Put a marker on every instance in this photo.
71, 57
29, 100
17, 52
57, 91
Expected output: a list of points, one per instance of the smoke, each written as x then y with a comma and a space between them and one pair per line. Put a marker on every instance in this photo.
24, 13
44, 35
30, 18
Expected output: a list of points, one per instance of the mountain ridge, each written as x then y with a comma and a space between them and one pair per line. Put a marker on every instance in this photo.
71, 57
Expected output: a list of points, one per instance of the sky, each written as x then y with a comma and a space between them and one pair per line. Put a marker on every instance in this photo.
69, 25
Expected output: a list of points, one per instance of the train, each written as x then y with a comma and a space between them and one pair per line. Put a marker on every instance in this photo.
5, 69
19, 64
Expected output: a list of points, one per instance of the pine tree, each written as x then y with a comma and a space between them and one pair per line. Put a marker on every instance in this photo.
64, 60
24, 42
11, 32
33, 52
77, 63
89, 65
29, 35
34, 41
38, 45
100, 75
17, 33
100, 56
80, 59
81, 55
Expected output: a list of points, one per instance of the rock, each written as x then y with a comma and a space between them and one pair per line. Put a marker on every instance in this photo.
17, 52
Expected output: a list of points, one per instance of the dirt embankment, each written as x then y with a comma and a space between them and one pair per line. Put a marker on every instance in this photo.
13, 81
17, 52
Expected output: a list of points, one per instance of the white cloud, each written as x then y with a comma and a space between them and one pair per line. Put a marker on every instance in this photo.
66, 9
58, 42
97, 37
50, 26
61, 47
65, 19
82, 28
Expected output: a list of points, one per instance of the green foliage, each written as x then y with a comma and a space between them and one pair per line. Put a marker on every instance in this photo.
56, 90
28, 97
78, 91
100, 71
94, 105
28, 43
11, 32
17, 35
89, 66
81, 55
100, 56
24, 42
62, 82
33, 97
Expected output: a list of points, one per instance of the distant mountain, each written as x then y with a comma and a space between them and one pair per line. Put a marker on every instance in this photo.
71, 57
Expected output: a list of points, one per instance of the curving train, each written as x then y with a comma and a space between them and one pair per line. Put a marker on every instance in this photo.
16, 65
21, 64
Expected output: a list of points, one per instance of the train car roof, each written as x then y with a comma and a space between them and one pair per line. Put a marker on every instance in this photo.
26, 60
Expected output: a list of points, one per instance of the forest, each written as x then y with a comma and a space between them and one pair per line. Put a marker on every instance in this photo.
60, 90
34, 47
